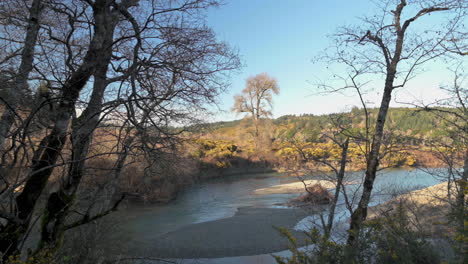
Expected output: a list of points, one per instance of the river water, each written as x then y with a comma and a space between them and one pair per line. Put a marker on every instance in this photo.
220, 198
211, 200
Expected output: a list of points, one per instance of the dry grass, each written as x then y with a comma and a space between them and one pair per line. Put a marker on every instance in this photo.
316, 194
427, 209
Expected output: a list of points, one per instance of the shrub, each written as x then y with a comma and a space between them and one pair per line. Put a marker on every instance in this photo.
396, 242
388, 239
316, 194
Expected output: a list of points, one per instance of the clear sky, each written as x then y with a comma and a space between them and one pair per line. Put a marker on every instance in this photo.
281, 37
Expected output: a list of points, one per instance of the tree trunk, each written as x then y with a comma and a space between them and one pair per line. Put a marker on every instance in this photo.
461, 215
26, 66
83, 127
48, 153
339, 182
360, 214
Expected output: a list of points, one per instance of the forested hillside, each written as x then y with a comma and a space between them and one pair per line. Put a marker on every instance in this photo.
410, 135
411, 121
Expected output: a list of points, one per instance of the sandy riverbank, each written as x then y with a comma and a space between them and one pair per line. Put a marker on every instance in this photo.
433, 196
426, 208
295, 187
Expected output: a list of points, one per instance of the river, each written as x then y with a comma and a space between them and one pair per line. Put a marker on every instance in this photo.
139, 230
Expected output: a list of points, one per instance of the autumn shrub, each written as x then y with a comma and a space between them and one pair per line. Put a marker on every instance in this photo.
217, 153
316, 194
399, 159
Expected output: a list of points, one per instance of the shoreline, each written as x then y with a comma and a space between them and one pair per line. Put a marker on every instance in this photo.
209, 174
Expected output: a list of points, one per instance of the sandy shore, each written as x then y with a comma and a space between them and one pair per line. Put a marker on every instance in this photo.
433, 196
295, 187
426, 209
249, 232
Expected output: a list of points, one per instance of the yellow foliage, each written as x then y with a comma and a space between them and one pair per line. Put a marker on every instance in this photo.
216, 152
410, 160
222, 164
40, 258
215, 148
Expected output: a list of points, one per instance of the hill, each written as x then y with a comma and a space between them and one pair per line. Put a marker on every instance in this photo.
409, 131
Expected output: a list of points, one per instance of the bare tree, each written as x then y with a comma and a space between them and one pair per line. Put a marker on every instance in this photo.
257, 99
52, 144
387, 45
144, 61
452, 149
338, 133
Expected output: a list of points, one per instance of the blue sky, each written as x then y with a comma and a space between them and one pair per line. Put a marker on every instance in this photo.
281, 37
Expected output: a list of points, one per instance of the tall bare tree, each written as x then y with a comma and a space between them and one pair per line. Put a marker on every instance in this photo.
388, 46
257, 99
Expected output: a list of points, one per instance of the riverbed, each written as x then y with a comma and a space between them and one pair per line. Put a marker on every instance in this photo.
226, 220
